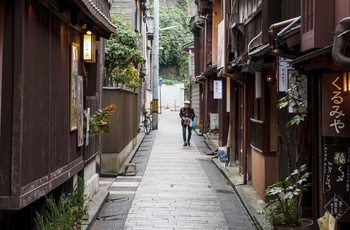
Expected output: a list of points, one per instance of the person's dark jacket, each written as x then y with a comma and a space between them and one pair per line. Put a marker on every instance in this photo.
190, 114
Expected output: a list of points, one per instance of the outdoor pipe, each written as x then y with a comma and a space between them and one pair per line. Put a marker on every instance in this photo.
340, 42
272, 43
204, 40
251, 41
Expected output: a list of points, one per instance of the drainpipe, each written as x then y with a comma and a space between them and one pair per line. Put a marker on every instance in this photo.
251, 41
272, 41
204, 41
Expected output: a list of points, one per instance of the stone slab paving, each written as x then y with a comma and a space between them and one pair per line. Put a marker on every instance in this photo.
175, 192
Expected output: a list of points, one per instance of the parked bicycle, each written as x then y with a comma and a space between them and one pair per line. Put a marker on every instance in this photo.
147, 124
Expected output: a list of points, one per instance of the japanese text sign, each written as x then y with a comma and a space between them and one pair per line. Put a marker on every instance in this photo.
335, 107
336, 168
337, 207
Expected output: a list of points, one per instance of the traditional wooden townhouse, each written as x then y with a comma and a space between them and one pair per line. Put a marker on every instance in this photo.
269, 49
323, 62
51, 64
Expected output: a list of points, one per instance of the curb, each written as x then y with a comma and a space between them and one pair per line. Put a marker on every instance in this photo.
99, 199
102, 195
256, 218
133, 152
129, 158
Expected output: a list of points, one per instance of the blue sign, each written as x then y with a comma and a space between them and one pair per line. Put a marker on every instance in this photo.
160, 79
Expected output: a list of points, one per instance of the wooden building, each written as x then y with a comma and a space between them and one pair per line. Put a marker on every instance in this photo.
324, 62
267, 46
48, 75
205, 69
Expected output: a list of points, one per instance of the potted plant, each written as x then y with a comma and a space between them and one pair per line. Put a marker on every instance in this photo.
99, 122
284, 211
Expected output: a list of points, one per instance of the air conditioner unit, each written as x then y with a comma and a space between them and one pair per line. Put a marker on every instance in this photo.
214, 121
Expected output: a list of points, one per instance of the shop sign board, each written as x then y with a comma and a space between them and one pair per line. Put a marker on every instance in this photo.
337, 207
336, 168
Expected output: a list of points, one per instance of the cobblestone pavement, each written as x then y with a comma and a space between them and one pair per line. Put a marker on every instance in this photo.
171, 189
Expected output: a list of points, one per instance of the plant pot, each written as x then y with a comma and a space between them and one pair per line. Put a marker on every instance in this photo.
305, 225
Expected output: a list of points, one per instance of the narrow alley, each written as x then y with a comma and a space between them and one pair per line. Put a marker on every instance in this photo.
175, 187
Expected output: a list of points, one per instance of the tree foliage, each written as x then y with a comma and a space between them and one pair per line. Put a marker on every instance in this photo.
123, 55
173, 39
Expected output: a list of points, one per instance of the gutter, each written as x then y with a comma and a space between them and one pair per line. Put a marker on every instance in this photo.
272, 41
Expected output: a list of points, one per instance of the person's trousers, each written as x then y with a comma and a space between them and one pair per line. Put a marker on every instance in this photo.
184, 127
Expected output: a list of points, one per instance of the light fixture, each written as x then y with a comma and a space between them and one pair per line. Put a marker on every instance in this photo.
89, 28
89, 52
271, 77
346, 82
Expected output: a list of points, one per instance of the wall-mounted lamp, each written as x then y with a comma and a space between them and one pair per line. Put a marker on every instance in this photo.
271, 77
89, 54
346, 82
89, 29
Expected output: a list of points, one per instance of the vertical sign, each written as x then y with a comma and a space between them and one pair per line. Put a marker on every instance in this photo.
335, 107
337, 207
80, 108
221, 48
217, 89
87, 127
336, 169
283, 67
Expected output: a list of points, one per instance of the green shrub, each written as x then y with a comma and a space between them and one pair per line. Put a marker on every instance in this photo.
67, 213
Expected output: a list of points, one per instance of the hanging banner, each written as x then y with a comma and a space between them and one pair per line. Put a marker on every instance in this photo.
221, 48
283, 68
217, 89
335, 107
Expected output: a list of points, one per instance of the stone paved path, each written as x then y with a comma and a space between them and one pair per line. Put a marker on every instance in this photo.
175, 188
175, 192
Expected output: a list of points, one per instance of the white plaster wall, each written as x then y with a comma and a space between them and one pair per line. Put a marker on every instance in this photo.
113, 162
91, 178
172, 94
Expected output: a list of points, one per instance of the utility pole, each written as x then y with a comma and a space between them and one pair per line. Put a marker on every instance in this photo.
155, 61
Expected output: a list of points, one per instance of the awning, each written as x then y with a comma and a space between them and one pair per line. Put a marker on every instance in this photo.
199, 78
318, 59
259, 51
98, 16
210, 71
188, 46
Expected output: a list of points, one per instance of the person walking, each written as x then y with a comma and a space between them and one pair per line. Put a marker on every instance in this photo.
186, 115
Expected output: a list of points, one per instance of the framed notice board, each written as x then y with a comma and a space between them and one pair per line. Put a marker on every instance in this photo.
336, 169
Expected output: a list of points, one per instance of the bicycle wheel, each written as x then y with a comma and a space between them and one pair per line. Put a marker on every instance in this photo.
147, 125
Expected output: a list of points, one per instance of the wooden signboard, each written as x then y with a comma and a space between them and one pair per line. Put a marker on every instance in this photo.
336, 169
337, 207
335, 107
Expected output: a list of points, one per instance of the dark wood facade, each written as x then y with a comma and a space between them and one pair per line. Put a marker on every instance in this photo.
318, 66
38, 150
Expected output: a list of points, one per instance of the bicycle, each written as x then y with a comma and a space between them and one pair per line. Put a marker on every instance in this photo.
147, 124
